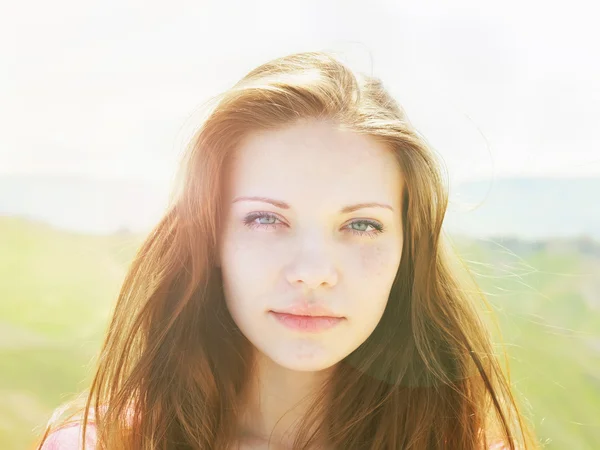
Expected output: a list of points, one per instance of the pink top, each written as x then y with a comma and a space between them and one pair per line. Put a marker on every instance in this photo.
69, 438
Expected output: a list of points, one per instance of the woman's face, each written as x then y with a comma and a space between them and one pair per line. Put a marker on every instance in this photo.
296, 240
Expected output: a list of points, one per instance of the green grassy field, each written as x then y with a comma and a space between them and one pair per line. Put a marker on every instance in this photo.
57, 290
548, 305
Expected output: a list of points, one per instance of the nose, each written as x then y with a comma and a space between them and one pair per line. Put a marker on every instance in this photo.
313, 266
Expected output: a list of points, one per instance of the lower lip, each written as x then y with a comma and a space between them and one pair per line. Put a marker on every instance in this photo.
307, 323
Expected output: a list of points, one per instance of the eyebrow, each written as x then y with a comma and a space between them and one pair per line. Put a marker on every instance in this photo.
284, 205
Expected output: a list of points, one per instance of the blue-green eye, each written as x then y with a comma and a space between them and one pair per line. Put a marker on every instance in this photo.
377, 227
251, 220
267, 220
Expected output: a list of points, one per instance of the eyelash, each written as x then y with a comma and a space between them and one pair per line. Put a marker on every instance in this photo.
249, 221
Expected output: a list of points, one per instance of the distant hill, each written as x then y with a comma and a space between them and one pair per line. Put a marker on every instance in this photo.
83, 204
530, 208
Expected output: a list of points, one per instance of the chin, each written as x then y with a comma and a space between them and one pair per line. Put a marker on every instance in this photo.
304, 361
306, 366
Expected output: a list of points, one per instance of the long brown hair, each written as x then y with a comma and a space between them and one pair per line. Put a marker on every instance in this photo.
173, 364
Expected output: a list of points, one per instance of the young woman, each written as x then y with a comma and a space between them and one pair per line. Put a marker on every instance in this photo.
298, 293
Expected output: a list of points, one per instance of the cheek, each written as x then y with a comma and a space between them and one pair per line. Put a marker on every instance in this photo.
248, 268
373, 275
249, 257
380, 261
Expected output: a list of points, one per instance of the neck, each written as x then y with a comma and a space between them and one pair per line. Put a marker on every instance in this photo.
277, 400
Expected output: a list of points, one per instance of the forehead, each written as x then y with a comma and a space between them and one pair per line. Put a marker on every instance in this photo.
315, 161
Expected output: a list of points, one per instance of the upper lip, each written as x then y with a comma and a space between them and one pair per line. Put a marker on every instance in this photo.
303, 309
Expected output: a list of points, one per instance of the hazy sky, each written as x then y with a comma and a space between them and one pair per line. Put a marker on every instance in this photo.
110, 88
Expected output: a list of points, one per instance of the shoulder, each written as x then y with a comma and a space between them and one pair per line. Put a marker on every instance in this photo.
68, 437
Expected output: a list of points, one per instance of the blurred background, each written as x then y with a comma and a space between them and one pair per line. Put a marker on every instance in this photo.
98, 100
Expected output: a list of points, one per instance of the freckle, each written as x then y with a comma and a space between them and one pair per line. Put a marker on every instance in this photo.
379, 260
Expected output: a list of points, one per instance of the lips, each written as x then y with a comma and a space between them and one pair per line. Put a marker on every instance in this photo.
301, 308
304, 323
